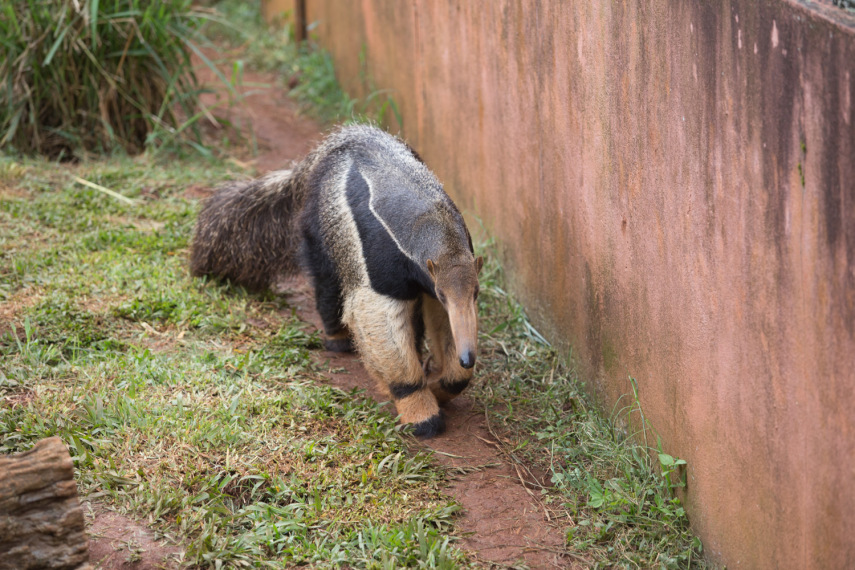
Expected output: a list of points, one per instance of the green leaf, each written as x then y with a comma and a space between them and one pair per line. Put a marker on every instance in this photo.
55, 46
93, 21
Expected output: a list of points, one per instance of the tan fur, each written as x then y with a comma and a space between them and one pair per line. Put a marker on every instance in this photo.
444, 361
383, 331
418, 407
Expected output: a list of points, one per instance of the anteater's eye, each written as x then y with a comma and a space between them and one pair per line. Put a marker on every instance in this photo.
441, 297
477, 290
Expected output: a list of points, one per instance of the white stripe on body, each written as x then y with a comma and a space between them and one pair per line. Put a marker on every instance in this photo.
371, 194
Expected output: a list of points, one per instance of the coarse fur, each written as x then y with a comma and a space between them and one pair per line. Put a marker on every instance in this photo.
387, 250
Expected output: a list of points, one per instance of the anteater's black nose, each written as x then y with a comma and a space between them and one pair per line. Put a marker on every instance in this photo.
467, 359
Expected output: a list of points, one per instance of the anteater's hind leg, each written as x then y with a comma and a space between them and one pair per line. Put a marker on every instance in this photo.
386, 339
452, 378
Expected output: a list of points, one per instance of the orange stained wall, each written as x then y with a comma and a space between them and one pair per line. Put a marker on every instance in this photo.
672, 186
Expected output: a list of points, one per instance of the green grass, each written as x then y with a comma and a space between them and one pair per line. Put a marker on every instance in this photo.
848, 5
201, 410
92, 76
197, 408
126, 79
617, 497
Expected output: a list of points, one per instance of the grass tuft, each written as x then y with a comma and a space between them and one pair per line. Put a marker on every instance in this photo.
84, 76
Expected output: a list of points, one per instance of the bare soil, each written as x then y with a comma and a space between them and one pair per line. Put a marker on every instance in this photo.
262, 113
503, 522
118, 542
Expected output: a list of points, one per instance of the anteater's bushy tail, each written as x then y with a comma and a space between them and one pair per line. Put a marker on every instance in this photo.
248, 232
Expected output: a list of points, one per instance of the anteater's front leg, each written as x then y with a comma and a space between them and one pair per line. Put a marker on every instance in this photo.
386, 339
452, 378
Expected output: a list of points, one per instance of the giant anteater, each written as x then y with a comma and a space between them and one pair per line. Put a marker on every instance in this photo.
388, 252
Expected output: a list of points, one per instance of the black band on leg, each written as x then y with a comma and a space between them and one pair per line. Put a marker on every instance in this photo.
400, 391
454, 387
431, 427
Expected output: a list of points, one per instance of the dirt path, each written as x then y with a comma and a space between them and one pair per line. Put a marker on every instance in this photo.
265, 113
503, 522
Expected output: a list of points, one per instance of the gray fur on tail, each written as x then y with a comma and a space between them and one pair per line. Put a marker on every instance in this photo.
247, 232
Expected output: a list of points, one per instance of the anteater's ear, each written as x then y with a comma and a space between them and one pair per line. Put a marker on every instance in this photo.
479, 263
431, 269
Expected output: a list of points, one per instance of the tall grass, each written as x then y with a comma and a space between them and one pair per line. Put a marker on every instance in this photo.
89, 75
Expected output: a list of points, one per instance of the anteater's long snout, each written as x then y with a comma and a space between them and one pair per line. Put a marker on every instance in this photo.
464, 328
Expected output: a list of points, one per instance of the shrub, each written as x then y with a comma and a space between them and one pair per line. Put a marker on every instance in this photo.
90, 75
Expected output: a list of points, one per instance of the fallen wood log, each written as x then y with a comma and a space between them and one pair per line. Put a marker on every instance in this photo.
41, 521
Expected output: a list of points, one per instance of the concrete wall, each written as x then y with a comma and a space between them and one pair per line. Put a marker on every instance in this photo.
672, 185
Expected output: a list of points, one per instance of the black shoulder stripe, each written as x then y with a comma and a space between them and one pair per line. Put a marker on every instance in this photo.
390, 271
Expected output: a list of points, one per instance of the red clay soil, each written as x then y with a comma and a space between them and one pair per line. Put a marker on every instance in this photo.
503, 522
117, 542
262, 111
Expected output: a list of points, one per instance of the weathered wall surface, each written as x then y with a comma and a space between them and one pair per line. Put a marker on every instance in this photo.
274, 9
673, 188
